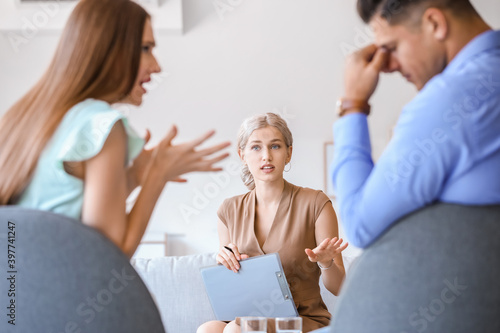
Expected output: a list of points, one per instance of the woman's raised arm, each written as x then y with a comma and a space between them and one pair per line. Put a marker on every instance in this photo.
106, 183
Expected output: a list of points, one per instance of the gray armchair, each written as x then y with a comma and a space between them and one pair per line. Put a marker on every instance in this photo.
436, 270
66, 277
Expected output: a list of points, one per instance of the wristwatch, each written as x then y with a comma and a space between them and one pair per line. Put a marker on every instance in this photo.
344, 105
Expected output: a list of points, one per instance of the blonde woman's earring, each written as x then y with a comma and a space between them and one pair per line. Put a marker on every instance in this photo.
290, 166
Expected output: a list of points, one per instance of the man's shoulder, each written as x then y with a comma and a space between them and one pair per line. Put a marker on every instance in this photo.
455, 102
467, 89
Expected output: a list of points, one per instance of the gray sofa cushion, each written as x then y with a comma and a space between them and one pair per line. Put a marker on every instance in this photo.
69, 278
436, 270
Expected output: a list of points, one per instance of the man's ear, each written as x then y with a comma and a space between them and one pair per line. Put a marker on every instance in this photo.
435, 22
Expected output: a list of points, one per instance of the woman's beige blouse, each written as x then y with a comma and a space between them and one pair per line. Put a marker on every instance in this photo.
292, 231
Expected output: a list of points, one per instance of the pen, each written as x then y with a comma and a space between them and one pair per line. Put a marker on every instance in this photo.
228, 248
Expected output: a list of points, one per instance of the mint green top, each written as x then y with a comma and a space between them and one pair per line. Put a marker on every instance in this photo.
79, 137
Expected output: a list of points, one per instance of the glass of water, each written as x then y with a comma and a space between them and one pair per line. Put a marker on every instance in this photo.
289, 325
253, 324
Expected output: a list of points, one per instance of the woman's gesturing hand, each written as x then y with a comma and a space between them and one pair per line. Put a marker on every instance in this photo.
229, 257
326, 251
172, 161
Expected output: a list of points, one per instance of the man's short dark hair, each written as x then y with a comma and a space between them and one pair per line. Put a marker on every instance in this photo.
397, 11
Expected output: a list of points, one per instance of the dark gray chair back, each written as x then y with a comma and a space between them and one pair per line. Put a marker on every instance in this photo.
436, 270
59, 275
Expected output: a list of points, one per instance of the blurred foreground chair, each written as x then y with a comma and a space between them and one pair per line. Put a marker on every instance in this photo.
436, 270
66, 277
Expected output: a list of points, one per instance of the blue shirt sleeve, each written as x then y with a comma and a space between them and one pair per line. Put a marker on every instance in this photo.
408, 175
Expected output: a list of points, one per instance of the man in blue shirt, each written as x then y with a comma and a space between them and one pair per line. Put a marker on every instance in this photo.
446, 144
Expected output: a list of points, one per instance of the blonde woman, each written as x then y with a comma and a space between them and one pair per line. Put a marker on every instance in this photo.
276, 216
64, 149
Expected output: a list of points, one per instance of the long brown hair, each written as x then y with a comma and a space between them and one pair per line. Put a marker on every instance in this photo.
97, 57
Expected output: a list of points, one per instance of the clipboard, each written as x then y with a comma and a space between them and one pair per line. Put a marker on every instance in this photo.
258, 289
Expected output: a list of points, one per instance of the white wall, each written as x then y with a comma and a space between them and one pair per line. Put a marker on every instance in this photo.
259, 56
